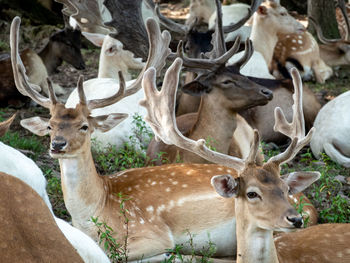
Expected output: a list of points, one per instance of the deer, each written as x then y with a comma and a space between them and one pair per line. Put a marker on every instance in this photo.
63, 45
333, 139
261, 194
13, 163
154, 224
311, 57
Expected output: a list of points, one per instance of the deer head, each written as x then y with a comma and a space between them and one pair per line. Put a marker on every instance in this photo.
70, 129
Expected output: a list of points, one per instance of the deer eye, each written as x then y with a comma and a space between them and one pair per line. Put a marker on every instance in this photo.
283, 14
252, 195
49, 128
226, 82
84, 127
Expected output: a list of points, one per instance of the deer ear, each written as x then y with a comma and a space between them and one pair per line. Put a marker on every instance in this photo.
5, 125
298, 181
196, 88
225, 185
262, 10
36, 125
94, 38
104, 123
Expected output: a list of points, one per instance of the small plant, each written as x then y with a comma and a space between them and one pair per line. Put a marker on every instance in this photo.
206, 252
116, 252
142, 135
210, 142
300, 209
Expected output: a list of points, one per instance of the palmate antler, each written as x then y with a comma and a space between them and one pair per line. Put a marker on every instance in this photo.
160, 107
158, 52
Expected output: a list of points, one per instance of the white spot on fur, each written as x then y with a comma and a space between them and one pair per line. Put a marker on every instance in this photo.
184, 185
228, 170
208, 171
294, 40
154, 183
287, 36
300, 36
150, 209
220, 169
172, 173
167, 189
129, 189
142, 221
175, 182
294, 48
194, 198
160, 209
300, 42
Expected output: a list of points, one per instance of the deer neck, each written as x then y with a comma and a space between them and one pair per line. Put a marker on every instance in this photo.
264, 38
215, 123
83, 189
50, 59
254, 244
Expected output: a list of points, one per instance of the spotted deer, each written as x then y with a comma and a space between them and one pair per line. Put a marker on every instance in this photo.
154, 223
63, 45
261, 204
16, 164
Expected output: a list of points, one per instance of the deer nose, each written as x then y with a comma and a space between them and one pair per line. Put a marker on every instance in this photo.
58, 145
297, 221
268, 93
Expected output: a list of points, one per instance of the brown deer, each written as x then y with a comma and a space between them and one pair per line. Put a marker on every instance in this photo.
62, 46
261, 204
154, 223
28, 230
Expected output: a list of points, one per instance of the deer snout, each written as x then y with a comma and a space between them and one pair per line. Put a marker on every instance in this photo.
267, 93
58, 144
81, 65
297, 221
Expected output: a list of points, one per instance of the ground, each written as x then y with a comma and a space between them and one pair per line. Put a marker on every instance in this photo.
330, 195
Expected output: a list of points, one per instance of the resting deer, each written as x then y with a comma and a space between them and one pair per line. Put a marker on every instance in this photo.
62, 46
16, 164
224, 91
261, 194
154, 224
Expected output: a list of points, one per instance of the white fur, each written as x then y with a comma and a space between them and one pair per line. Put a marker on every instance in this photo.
102, 88
333, 123
232, 14
15, 163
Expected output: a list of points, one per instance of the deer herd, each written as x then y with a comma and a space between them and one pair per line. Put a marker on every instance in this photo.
241, 88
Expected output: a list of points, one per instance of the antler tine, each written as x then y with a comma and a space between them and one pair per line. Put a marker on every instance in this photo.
87, 13
218, 40
160, 107
157, 54
82, 97
52, 95
100, 103
248, 52
203, 63
320, 34
170, 24
253, 149
296, 129
233, 27
342, 6
21, 79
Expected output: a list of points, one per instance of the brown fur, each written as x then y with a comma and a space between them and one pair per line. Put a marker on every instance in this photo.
322, 244
28, 231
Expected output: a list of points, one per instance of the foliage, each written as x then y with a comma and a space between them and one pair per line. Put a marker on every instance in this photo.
206, 253
116, 252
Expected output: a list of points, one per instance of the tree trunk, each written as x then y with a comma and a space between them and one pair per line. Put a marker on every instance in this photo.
323, 11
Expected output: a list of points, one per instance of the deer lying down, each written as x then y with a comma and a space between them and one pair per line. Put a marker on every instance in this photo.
62, 46
101, 88
333, 139
29, 232
167, 201
16, 164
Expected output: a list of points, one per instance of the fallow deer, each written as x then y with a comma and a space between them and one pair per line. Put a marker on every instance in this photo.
154, 223
16, 164
62, 46
333, 139
261, 206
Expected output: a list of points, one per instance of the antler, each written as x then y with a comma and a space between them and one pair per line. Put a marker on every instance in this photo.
128, 22
160, 107
233, 27
87, 13
320, 34
294, 130
19, 72
157, 54
170, 24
